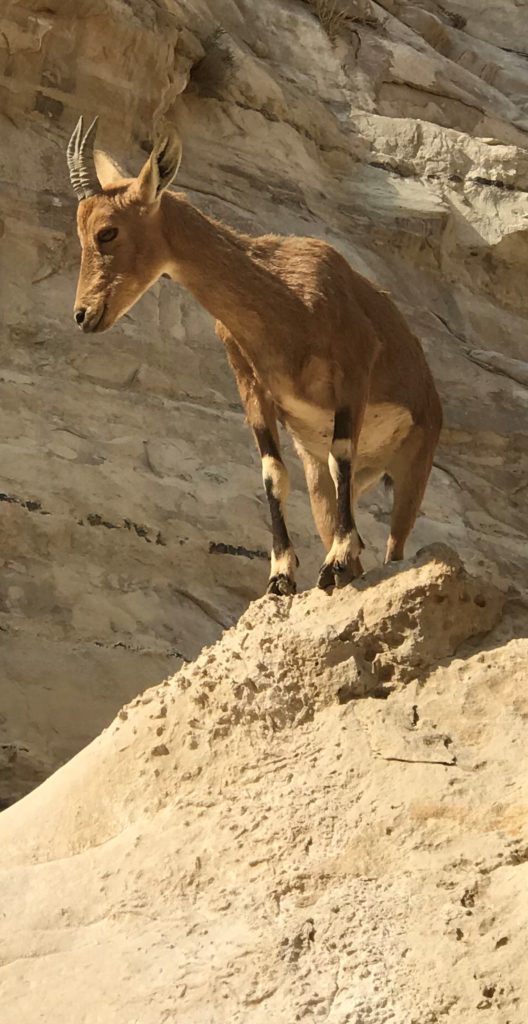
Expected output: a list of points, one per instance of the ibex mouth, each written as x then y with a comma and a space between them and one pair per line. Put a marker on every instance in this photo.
96, 323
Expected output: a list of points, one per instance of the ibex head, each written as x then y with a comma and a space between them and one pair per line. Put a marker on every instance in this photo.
119, 225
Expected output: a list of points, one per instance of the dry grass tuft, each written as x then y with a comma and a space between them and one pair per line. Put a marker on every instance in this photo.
331, 15
211, 75
334, 17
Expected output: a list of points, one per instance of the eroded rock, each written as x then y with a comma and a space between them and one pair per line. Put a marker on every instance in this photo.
291, 855
401, 138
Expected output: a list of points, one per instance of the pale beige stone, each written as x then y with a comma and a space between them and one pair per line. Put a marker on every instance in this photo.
381, 141
323, 817
289, 857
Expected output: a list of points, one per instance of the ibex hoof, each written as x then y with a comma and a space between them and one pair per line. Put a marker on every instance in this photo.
281, 585
335, 574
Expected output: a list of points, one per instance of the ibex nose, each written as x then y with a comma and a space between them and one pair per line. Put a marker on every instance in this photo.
79, 316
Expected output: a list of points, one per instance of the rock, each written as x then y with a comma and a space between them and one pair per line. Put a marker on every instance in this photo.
323, 816
339, 831
130, 488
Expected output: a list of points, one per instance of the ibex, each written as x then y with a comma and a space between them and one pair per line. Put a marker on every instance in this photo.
312, 344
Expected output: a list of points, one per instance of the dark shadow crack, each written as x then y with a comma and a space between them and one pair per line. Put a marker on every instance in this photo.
417, 760
29, 504
220, 548
204, 606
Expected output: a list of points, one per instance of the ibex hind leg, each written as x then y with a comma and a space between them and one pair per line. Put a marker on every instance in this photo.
409, 470
321, 490
342, 563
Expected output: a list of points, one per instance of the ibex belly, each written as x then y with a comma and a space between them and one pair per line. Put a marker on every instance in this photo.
384, 428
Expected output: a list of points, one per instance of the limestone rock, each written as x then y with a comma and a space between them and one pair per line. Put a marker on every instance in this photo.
322, 818
132, 522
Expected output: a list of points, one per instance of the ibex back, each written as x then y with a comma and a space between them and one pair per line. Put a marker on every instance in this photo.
312, 344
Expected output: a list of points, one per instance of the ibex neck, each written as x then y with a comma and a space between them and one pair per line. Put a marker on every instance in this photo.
216, 265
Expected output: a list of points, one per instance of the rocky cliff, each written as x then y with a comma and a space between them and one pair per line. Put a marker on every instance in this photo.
324, 816
132, 523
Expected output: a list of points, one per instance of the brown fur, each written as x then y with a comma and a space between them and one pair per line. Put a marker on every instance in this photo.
305, 335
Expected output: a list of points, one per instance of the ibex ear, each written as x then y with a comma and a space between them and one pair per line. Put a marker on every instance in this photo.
108, 170
160, 168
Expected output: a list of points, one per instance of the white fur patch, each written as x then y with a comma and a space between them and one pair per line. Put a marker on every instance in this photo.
345, 549
334, 469
275, 471
285, 563
342, 448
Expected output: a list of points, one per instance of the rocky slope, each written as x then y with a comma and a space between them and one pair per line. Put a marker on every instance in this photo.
132, 524
324, 818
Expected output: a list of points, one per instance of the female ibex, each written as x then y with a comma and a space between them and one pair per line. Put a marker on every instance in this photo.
311, 343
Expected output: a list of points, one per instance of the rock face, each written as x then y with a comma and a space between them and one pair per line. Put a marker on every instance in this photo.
323, 818
132, 523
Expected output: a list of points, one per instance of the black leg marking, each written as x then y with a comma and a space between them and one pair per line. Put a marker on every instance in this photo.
344, 519
281, 540
342, 563
345, 522
281, 582
266, 443
342, 424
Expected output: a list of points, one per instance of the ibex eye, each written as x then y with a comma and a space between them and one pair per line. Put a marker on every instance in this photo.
107, 235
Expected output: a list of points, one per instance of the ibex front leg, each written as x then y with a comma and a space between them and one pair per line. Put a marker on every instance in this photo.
276, 485
342, 562
260, 414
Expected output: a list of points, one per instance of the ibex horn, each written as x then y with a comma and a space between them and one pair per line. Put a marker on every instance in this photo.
83, 175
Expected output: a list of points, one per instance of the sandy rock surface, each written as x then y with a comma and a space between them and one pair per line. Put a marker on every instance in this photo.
133, 526
324, 816
319, 820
